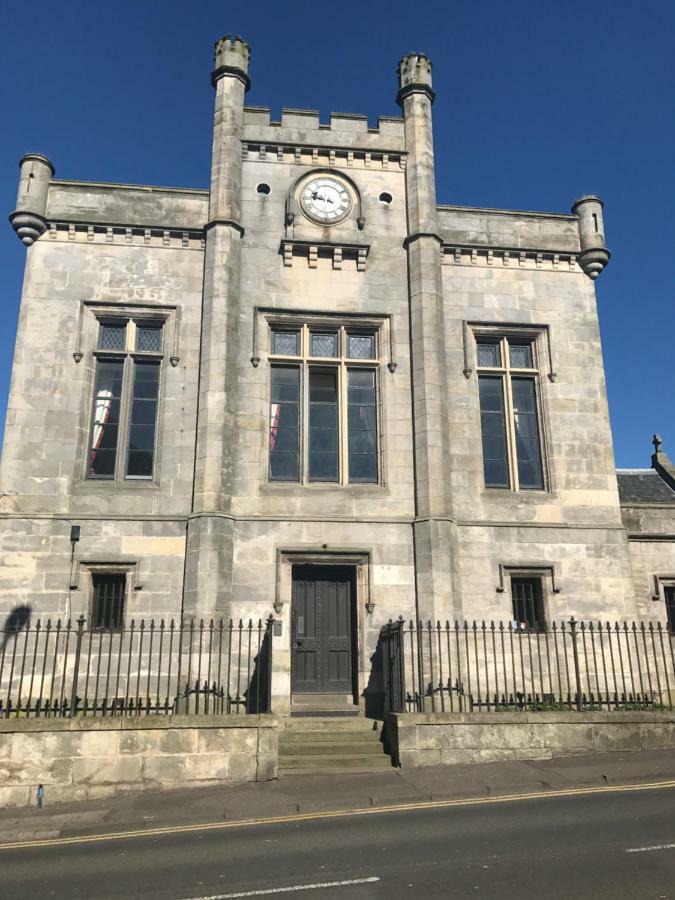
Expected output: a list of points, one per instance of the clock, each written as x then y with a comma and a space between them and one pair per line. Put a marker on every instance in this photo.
325, 200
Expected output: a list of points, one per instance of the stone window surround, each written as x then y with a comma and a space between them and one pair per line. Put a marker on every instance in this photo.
544, 572
380, 325
526, 570
540, 338
91, 314
86, 334
660, 583
539, 334
84, 582
265, 317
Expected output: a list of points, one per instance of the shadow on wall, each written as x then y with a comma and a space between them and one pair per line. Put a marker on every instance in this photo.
374, 692
257, 697
16, 621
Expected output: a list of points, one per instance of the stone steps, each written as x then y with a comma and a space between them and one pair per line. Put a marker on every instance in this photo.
352, 770
300, 738
330, 746
329, 724
320, 705
327, 748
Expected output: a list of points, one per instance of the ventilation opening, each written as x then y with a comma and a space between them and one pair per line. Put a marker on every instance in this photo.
263, 188
385, 198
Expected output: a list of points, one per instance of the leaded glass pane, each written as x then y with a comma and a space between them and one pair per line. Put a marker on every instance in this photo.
149, 338
286, 343
285, 423
362, 425
106, 418
493, 428
112, 336
323, 425
520, 356
360, 346
528, 449
488, 354
143, 423
323, 344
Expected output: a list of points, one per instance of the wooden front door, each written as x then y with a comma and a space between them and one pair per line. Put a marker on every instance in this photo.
322, 636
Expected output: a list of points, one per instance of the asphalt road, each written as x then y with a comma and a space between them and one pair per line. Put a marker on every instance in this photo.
582, 846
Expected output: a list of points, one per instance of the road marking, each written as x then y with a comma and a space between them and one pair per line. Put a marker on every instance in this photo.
653, 847
334, 814
290, 889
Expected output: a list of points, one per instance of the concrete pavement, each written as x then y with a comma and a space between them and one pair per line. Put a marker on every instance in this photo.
618, 845
312, 794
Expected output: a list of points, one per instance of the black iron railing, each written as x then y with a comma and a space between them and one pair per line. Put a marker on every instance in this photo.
496, 666
68, 669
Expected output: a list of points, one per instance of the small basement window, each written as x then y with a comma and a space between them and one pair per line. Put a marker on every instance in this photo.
528, 603
669, 595
107, 605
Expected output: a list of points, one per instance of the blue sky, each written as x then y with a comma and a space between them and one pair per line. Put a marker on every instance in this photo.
537, 103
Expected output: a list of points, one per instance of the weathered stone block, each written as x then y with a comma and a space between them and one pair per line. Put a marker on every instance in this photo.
235, 740
164, 769
208, 766
242, 767
415, 758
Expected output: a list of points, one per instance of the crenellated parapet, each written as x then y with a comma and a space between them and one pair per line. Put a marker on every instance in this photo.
301, 131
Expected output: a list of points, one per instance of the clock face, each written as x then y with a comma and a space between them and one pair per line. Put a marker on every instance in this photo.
325, 200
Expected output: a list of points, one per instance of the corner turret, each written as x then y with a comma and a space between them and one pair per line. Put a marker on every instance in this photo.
414, 75
28, 219
231, 57
594, 254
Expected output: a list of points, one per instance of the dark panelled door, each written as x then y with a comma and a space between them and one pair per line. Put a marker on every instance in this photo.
321, 632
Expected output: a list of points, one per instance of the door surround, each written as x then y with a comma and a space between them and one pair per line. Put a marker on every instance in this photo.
318, 589
286, 558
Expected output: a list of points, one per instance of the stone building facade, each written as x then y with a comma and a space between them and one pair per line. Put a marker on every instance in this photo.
313, 389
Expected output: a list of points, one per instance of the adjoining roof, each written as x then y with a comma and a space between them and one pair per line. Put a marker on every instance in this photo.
643, 486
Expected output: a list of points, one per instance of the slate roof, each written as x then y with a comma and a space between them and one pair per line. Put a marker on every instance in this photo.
643, 486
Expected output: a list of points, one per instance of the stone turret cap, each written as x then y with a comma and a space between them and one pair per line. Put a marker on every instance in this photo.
231, 57
414, 75
39, 157
586, 198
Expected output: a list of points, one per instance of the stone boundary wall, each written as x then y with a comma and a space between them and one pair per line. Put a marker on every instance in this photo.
433, 739
84, 759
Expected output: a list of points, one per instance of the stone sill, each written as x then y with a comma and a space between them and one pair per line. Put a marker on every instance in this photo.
520, 495
333, 488
141, 723
114, 486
